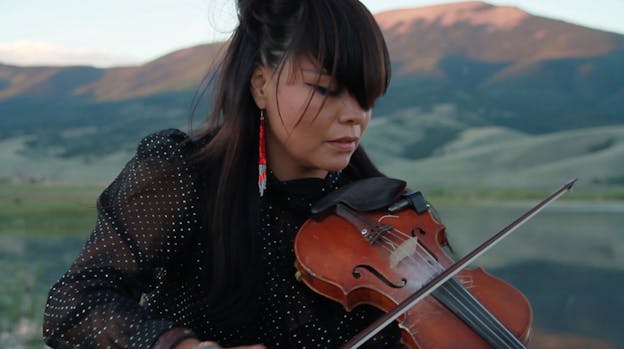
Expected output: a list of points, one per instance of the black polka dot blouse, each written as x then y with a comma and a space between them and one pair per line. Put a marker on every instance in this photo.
123, 290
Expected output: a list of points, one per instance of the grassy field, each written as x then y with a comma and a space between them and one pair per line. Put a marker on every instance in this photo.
41, 231
46, 210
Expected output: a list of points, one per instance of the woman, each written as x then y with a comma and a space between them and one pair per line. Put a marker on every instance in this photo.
194, 239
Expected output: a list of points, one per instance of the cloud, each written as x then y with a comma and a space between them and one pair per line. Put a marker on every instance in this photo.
29, 53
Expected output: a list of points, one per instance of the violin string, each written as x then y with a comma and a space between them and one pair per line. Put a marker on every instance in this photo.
456, 292
492, 336
448, 292
467, 300
428, 265
467, 303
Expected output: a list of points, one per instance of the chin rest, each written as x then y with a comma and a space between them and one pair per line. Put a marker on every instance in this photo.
364, 195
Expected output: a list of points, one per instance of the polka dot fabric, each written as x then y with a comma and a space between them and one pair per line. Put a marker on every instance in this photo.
125, 288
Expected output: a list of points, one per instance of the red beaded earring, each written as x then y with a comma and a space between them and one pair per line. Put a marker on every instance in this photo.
262, 162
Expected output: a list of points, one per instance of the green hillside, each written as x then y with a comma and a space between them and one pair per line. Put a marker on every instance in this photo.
497, 157
434, 151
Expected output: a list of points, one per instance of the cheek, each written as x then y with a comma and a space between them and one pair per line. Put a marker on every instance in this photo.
365, 121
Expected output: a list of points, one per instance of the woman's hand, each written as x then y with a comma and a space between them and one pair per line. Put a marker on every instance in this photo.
192, 343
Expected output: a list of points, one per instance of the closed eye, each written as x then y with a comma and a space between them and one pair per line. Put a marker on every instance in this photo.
325, 91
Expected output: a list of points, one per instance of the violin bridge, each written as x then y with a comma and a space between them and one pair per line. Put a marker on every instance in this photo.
406, 249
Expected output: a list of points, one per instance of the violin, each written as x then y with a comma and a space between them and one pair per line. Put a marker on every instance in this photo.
371, 242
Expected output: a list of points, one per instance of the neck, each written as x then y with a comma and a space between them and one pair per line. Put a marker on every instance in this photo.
283, 173
284, 168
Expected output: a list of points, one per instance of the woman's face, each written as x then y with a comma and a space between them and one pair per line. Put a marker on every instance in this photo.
312, 125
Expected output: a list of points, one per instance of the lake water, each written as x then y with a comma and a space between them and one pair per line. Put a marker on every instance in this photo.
570, 233
568, 260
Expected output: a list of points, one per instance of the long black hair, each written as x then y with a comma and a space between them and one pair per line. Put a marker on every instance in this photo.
343, 36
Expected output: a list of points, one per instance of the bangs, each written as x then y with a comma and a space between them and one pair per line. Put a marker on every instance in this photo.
348, 44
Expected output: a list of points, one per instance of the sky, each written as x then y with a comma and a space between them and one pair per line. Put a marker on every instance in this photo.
130, 32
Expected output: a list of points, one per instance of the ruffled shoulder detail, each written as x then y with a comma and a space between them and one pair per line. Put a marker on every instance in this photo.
169, 144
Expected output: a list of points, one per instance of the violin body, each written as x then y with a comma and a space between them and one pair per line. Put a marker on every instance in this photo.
335, 260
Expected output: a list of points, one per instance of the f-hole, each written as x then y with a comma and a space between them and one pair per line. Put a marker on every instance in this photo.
356, 274
419, 230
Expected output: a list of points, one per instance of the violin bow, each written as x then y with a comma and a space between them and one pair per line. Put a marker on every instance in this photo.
448, 273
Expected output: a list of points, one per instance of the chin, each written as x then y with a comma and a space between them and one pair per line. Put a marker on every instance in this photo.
337, 166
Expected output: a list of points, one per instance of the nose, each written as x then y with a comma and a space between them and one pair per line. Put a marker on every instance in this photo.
351, 111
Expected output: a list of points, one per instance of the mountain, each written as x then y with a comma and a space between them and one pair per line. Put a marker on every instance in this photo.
179, 70
456, 67
420, 38
503, 66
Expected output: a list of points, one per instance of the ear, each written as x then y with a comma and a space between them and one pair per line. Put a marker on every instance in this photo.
259, 83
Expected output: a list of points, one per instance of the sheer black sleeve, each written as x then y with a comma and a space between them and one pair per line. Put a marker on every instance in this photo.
145, 219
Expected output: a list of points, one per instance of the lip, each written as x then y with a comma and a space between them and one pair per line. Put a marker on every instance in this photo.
344, 144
